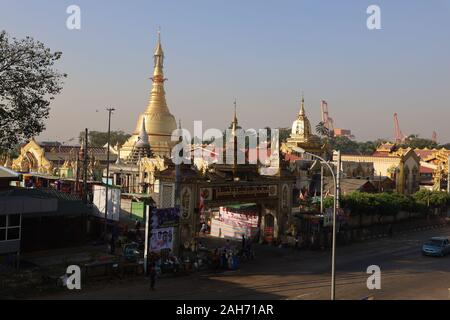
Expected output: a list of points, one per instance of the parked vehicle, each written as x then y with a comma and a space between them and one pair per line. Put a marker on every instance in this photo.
131, 251
436, 246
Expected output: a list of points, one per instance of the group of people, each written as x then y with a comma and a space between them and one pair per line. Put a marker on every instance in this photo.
159, 265
223, 259
227, 257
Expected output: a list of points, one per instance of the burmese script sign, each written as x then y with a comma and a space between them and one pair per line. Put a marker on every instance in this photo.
237, 192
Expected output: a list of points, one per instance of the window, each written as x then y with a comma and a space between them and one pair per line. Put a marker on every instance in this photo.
13, 233
14, 220
10, 227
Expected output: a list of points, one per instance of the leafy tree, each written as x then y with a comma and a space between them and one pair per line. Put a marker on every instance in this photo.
322, 130
432, 199
446, 146
348, 146
284, 134
99, 139
414, 141
344, 144
28, 84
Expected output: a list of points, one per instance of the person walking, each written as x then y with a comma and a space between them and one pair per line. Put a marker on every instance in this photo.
152, 276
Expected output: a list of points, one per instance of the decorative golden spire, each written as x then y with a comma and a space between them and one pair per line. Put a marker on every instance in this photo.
159, 51
158, 94
302, 108
159, 122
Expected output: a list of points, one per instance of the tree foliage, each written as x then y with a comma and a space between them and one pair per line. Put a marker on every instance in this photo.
348, 146
432, 199
28, 83
284, 134
99, 139
390, 203
414, 141
322, 130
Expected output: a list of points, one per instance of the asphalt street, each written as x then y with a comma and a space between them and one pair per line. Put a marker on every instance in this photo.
296, 274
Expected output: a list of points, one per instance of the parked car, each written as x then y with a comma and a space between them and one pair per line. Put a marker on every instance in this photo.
437, 246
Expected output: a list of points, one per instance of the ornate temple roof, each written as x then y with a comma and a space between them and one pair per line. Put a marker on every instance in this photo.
141, 148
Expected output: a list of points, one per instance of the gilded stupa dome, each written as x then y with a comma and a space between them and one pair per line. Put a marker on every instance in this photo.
159, 123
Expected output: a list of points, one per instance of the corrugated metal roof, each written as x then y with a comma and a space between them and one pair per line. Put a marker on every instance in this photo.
6, 173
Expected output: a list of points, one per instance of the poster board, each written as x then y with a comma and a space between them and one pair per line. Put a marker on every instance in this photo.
99, 200
162, 238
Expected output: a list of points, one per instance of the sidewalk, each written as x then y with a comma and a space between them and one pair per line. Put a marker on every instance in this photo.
74, 255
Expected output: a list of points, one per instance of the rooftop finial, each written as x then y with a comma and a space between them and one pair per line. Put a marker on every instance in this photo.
235, 111
302, 109
159, 51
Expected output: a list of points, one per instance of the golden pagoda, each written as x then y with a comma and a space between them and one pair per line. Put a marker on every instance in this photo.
158, 120
302, 136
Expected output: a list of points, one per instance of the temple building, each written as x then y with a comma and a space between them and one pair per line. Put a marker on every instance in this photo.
157, 119
135, 173
434, 163
232, 198
148, 150
403, 168
54, 159
303, 137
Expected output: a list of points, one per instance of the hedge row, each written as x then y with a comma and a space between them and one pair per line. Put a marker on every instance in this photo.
391, 203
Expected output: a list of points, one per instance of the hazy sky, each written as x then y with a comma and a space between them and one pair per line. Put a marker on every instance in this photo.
264, 53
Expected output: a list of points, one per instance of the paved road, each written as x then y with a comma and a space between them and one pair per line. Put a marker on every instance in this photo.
292, 274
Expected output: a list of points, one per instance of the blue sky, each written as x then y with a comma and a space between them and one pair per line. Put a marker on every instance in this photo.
263, 53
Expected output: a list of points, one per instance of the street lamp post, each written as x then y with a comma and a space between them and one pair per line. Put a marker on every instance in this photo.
110, 111
336, 185
448, 175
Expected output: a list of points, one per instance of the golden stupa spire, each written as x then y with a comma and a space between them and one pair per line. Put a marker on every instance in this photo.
302, 108
158, 94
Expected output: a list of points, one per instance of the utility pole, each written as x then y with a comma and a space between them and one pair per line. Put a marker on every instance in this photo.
321, 188
338, 178
178, 188
110, 111
77, 175
336, 206
85, 167
448, 175
148, 234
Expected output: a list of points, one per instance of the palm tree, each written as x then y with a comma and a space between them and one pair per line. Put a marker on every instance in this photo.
322, 130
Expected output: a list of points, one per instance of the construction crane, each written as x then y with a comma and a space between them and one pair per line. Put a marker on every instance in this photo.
326, 120
399, 137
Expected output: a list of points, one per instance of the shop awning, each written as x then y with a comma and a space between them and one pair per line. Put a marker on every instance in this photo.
242, 206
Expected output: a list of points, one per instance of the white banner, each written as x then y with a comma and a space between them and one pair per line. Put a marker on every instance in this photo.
162, 238
113, 202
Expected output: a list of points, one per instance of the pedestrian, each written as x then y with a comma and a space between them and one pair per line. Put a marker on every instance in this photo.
243, 241
204, 228
137, 226
227, 245
113, 244
390, 231
152, 276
